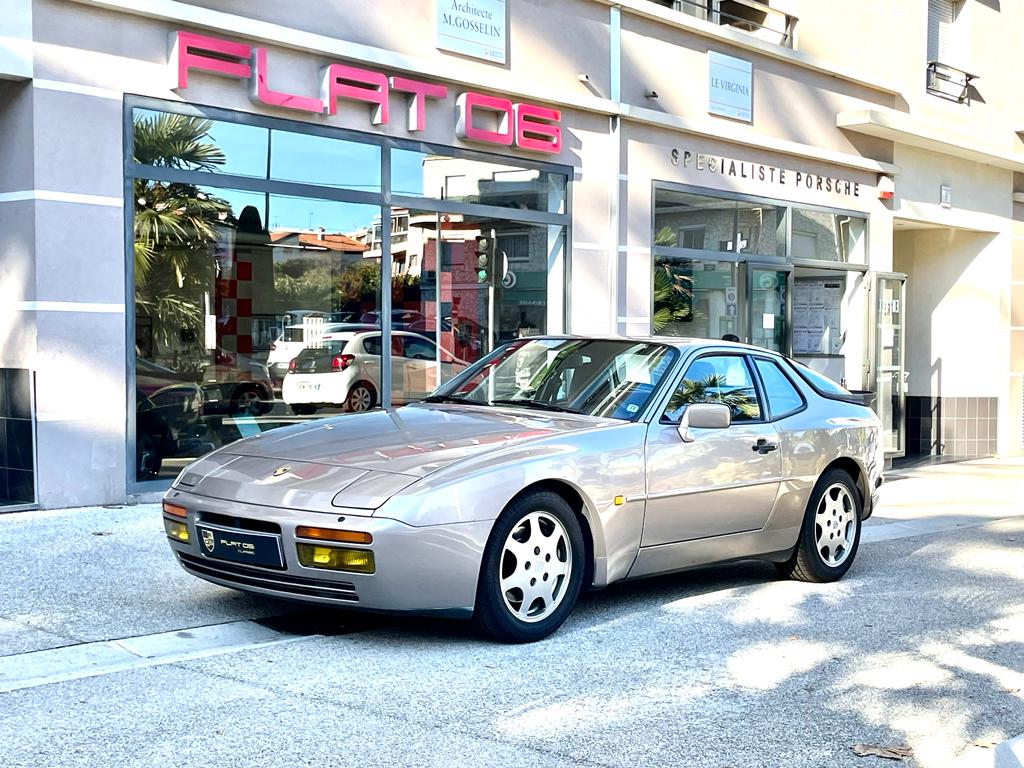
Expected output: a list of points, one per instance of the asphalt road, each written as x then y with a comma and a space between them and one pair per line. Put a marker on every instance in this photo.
110, 655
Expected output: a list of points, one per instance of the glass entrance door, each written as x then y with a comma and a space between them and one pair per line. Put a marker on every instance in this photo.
768, 290
890, 378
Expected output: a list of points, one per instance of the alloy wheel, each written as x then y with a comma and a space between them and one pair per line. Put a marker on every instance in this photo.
835, 525
536, 561
360, 399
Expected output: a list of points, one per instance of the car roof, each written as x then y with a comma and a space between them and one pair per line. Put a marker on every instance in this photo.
679, 342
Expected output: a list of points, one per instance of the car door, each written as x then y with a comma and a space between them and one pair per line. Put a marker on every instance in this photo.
726, 480
419, 358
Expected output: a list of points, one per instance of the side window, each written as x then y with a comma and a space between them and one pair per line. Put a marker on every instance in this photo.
782, 395
419, 349
371, 344
721, 379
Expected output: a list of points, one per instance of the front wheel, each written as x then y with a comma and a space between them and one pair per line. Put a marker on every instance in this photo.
532, 569
830, 534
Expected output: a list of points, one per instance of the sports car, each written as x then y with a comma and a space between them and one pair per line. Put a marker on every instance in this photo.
551, 465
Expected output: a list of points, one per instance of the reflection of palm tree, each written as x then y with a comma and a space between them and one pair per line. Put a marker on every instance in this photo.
673, 294
713, 389
175, 223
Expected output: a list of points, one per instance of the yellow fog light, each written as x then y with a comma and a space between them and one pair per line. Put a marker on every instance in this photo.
177, 531
336, 558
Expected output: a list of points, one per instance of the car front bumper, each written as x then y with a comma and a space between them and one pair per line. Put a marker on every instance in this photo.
427, 570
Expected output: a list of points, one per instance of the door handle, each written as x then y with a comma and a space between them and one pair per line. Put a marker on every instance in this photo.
762, 446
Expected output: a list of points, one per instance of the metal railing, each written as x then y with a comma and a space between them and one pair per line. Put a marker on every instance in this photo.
753, 17
949, 82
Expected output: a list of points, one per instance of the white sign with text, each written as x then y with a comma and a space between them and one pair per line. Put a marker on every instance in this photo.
472, 28
730, 87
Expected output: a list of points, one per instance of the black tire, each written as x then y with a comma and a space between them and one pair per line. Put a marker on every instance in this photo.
245, 401
493, 614
808, 563
301, 409
361, 397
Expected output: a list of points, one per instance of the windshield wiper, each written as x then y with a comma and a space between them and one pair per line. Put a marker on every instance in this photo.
534, 404
450, 399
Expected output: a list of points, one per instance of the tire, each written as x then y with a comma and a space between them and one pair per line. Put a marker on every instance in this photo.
246, 402
830, 535
301, 409
360, 398
546, 521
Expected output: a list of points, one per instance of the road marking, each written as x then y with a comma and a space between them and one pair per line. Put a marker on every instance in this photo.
74, 662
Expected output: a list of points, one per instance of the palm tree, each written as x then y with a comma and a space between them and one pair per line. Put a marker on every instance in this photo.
673, 294
175, 223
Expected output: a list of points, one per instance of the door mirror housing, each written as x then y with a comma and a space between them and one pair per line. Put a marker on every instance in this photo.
703, 416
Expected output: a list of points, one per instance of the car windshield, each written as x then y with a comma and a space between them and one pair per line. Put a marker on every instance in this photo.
610, 378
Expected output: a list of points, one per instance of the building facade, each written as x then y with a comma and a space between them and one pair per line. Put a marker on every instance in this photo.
204, 205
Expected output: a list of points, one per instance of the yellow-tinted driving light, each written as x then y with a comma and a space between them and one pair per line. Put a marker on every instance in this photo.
174, 509
336, 558
177, 531
331, 534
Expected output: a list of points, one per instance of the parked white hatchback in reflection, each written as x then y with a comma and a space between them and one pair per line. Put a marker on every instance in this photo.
343, 369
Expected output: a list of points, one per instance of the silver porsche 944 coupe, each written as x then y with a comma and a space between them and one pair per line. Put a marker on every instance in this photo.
549, 466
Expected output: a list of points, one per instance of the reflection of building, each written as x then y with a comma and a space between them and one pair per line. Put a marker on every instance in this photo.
862, 213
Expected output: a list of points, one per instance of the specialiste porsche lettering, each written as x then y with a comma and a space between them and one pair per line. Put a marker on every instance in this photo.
481, 118
742, 169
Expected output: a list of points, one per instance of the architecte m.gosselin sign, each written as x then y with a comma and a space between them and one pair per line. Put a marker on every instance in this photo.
507, 124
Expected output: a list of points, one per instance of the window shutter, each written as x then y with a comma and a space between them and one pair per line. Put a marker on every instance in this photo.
940, 30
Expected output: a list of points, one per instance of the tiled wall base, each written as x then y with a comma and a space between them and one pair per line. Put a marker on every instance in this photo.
951, 426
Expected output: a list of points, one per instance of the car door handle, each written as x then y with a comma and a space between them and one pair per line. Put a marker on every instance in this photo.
762, 446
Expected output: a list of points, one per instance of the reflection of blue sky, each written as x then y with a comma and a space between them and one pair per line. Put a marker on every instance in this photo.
406, 172
319, 160
299, 213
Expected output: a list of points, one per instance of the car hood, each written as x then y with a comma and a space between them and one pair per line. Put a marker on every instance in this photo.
414, 440
370, 456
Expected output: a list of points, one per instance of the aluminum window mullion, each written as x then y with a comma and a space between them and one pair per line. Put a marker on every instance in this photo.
252, 184
436, 205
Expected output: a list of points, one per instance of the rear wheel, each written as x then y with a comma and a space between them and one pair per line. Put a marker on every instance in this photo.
532, 569
360, 398
831, 531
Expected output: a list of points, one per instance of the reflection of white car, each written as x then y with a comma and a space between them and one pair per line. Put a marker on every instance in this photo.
293, 340
343, 368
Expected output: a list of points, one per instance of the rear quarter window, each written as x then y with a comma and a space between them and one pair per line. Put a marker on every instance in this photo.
783, 397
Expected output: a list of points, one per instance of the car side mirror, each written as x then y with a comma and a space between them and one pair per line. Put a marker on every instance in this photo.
703, 416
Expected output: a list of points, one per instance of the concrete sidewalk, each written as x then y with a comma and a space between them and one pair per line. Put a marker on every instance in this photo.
921, 645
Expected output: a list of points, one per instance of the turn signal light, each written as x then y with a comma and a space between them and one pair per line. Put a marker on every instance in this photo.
330, 534
175, 530
336, 558
174, 509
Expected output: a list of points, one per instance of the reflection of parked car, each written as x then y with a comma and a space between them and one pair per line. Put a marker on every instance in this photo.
293, 339
168, 416
344, 369
233, 384
468, 335
400, 318
237, 384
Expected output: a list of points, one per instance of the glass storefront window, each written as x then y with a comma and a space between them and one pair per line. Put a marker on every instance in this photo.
198, 144
825, 236
467, 284
705, 223
224, 304
260, 307
465, 180
319, 160
694, 297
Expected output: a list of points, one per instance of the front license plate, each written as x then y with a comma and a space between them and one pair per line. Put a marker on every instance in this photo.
240, 546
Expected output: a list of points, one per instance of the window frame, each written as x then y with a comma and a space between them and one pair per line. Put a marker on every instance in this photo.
382, 199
